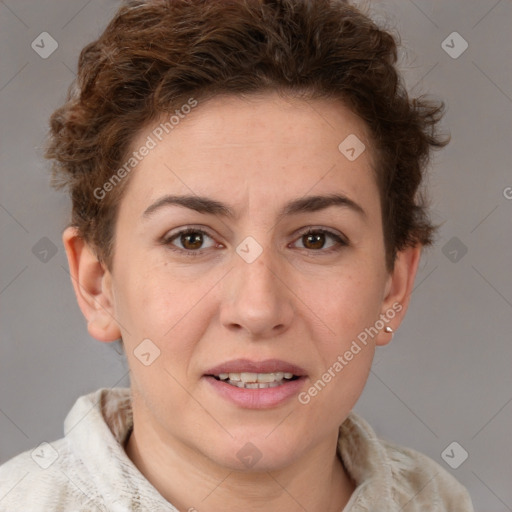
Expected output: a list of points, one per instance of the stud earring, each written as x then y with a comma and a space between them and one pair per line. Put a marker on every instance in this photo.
388, 329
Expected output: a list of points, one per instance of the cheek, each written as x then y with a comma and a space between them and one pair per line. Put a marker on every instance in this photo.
339, 382
158, 309
171, 310
144, 305
349, 300
348, 307
150, 300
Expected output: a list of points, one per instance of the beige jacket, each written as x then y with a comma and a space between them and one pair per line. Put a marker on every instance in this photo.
88, 469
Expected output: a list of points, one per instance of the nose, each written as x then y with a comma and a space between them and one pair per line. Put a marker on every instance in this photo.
256, 298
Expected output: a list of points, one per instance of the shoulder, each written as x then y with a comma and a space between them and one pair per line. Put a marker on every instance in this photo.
420, 483
40, 480
66, 475
59, 475
395, 477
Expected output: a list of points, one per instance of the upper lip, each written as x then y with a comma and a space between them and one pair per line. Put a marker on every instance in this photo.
246, 365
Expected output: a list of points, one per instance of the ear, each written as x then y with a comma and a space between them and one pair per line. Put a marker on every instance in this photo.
92, 283
398, 291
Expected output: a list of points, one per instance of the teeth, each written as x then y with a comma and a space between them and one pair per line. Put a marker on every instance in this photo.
248, 377
255, 377
266, 377
253, 385
249, 380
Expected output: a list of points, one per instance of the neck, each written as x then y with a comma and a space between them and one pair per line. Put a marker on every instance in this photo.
191, 482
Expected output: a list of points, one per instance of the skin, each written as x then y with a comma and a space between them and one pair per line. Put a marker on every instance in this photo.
295, 302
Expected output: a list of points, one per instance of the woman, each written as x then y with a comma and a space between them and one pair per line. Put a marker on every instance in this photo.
246, 219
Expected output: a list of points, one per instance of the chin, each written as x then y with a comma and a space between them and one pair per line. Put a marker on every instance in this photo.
255, 454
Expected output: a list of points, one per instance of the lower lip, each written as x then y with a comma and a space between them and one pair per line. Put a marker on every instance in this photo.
257, 398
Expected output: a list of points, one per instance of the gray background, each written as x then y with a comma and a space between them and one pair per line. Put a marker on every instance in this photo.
445, 377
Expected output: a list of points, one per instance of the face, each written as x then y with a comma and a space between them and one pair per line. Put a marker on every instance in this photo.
268, 283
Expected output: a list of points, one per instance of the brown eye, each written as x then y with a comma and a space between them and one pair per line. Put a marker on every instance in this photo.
189, 241
316, 239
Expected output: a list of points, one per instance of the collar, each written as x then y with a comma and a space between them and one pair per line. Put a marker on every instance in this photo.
99, 424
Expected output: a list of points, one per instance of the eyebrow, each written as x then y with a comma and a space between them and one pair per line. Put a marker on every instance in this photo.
210, 206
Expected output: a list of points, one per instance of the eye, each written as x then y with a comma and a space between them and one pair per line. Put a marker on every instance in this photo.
191, 240
315, 238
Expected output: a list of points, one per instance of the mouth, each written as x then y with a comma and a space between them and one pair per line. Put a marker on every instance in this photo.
248, 380
256, 384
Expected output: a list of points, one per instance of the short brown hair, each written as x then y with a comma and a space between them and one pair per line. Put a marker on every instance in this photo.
155, 55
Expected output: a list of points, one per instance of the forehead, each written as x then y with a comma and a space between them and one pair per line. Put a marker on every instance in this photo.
256, 148
235, 122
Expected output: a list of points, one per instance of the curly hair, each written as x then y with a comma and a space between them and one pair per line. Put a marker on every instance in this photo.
155, 55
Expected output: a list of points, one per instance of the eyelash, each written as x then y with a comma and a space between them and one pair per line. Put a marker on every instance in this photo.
341, 242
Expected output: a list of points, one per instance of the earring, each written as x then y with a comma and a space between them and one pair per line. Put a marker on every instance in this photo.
388, 329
